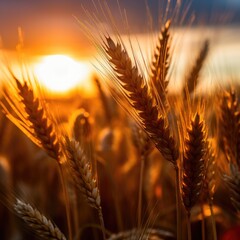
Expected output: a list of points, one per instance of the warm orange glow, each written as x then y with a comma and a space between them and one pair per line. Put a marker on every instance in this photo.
61, 73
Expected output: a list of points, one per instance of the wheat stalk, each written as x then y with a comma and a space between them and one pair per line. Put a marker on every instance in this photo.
160, 66
38, 223
29, 113
137, 93
81, 171
144, 147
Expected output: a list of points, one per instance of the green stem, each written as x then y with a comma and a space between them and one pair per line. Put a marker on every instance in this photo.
189, 226
140, 192
67, 202
203, 222
213, 222
178, 204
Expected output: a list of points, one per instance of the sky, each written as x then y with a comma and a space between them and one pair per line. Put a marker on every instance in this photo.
50, 25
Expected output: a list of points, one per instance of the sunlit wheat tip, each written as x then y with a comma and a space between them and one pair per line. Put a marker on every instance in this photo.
23, 107
142, 106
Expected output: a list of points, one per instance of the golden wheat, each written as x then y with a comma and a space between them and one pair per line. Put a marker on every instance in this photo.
193, 162
38, 223
28, 113
142, 102
160, 66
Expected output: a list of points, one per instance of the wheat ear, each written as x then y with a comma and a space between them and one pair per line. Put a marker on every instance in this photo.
229, 125
143, 108
193, 162
37, 222
191, 80
160, 66
193, 165
137, 93
82, 176
29, 114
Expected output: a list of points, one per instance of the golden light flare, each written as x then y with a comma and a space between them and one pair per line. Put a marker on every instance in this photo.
61, 73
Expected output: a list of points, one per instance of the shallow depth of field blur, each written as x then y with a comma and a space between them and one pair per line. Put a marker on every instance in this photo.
47, 36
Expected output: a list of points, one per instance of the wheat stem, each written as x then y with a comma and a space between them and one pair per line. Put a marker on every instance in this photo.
100, 215
213, 222
140, 191
189, 232
115, 194
178, 203
67, 202
203, 222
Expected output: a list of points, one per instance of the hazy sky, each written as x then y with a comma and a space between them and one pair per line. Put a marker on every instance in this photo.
50, 24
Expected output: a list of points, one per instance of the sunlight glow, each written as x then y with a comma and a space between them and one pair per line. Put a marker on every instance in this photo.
61, 73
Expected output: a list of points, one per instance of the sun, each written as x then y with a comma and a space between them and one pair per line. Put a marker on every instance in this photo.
61, 73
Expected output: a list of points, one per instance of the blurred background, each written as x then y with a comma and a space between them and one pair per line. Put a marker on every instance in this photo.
56, 46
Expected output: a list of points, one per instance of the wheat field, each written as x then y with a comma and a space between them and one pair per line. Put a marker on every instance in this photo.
136, 161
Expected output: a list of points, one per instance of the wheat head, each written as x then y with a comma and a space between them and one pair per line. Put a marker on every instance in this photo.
193, 162
29, 114
137, 93
37, 222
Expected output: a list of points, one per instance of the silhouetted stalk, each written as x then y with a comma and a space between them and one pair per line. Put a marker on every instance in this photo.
115, 197
203, 222
178, 204
189, 226
213, 222
140, 191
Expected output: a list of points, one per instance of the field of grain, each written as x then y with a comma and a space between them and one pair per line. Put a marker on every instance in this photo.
152, 153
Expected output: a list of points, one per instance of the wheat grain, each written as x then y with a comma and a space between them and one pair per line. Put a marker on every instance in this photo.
209, 184
37, 222
137, 93
29, 114
160, 66
193, 162
82, 173
191, 80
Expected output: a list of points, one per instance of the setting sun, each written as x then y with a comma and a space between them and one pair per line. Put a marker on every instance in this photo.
61, 73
